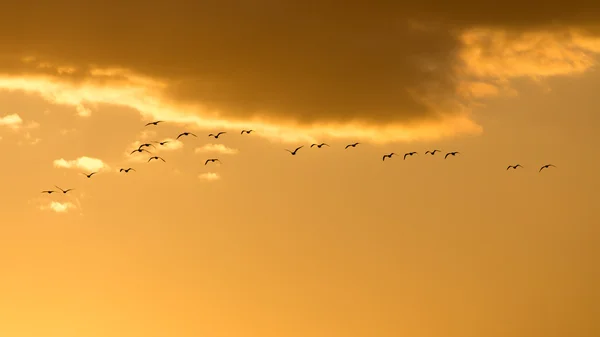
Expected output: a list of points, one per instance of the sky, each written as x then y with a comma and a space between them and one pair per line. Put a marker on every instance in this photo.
329, 242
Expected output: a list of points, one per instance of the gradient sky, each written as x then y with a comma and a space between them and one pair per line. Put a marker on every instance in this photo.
328, 243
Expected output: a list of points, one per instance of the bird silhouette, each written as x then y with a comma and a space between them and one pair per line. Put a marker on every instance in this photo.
295, 151
246, 131
186, 134
89, 175
388, 156
432, 152
513, 166
351, 145
163, 142
48, 192
146, 145
139, 150
319, 145
409, 154
64, 191
211, 160
217, 135
127, 170
451, 154
546, 166
154, 123
157, 158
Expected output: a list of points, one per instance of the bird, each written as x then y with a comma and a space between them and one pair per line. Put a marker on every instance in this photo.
157, 158
546, 166
432, 152
64, 191
154, 123
451, 154
246, 131
319, 145
163, 142
89, 175
351, 145
48, 192
513, 166
186, 134
146, 145
295, 151
139, 150
212, 160
388, 155
409, 154
217, 135
127, 170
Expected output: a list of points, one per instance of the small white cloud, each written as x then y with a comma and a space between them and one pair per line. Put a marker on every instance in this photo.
12, 121
220, 148
59, 207
32, 125
147, 134
209, 176
82, 111
171, 144
84, 163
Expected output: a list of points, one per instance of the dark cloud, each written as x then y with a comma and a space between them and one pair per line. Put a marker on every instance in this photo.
306, 61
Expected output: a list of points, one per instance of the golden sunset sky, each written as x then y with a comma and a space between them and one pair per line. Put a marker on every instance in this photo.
331, 242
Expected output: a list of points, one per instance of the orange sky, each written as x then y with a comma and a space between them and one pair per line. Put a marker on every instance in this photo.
330, 242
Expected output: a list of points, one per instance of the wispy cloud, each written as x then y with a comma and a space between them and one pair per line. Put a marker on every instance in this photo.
219, 148
13, 121
83, 163
209, 176
58, 207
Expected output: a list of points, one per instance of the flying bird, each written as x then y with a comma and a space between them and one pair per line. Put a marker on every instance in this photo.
217, 135
351, 145
154, 123
89, 175
126, 170
319, 145
451, 154
432, 152
513, 166
139, 150
546, 166
295, 151
157, 158
246, 131
64, 191
146, 145
48, 192
409, 154
388, 155
211, 160
186, 134
163, 142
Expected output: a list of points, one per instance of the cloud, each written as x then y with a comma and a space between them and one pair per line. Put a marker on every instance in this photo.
219, 148
13, 121
83, 163
58, 207
383, 71
209, 176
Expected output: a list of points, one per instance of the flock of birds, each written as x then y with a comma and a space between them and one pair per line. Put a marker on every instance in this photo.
142, 148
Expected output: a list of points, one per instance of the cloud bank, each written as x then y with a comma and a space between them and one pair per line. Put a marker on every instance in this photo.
376, 70
215, 148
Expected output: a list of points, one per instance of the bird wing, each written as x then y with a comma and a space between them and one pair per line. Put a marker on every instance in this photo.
179, 136
446, 156
326, 144
406, 154
220, 133
162, 159
298, 148
347, 146
288, 151
241, 133
312, 145
384, 156
149, 123
59, 188
150, 159
193, 135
